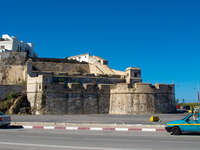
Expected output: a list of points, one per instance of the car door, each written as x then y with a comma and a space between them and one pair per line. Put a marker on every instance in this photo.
193, 123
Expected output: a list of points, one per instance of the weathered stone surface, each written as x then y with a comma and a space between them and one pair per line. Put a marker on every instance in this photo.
66, 88
13, 58
60, 67
6, 89
142, 99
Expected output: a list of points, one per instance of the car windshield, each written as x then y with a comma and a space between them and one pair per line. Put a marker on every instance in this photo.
1, 113
186, 116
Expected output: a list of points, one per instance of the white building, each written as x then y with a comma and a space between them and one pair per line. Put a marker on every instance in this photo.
81, 58
89, 59
11, 43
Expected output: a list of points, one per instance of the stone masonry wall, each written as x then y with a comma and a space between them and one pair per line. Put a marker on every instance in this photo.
48, 97
13, 58
7, 89
60, 67
12, 68
35, 92
142, 99
88, 79
76, 99
12, 74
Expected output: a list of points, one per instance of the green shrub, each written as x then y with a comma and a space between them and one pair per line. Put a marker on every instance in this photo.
6, 104
61, 79
11, 95
13, 103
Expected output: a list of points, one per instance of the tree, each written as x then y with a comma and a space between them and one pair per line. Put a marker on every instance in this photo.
183, 101
177, 101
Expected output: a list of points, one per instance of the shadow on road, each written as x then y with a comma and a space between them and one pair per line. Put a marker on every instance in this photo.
12, 127
192, 134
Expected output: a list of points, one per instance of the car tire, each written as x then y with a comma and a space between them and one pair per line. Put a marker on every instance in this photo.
175, 131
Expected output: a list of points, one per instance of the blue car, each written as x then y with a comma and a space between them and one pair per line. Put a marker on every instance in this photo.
191, 123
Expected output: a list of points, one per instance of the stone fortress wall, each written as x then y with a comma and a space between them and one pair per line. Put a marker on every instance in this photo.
12, 68
57, 87
7, 89
142, 98
52, 94
49, 97
55, 67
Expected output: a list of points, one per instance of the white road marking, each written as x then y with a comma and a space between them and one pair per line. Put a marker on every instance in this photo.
149, 129
61, 146
121, 129
28, 127
71, 128
96, 129
49, 127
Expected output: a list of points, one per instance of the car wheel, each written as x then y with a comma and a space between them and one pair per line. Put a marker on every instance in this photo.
175, 131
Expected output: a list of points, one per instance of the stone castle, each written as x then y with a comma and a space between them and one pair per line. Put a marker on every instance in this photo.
81, 84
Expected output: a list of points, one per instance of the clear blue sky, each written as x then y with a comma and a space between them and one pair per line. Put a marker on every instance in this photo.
162, 37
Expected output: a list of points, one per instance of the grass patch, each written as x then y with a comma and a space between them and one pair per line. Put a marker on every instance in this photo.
6, 103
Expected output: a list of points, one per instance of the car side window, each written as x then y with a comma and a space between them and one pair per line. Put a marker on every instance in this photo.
191, 118
196, 115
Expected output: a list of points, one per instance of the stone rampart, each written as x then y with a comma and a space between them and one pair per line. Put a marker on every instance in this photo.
12, 68
35, 92
7, 89
50, 97
56, 86
142, 98
12, 74
88, 79
13, 58
74, 98
56, 67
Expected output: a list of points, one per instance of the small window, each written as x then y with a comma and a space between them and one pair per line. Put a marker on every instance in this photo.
135, 75
39, 86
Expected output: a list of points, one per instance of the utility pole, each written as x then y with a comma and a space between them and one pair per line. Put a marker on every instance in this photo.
198, 95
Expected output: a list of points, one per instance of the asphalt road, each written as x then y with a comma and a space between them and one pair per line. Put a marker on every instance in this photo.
21, 139
97, 118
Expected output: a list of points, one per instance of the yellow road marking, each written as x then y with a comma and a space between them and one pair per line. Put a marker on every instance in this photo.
184, 124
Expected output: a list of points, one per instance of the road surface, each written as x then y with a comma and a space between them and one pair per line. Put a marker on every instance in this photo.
36, 139
97, 118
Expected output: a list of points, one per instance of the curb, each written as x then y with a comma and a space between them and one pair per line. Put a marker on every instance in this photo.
91, 127
95, 128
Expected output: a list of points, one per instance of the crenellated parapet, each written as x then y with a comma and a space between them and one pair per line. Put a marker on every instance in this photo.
142, 98
142, 88
157, 88
74, 86
66, 97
